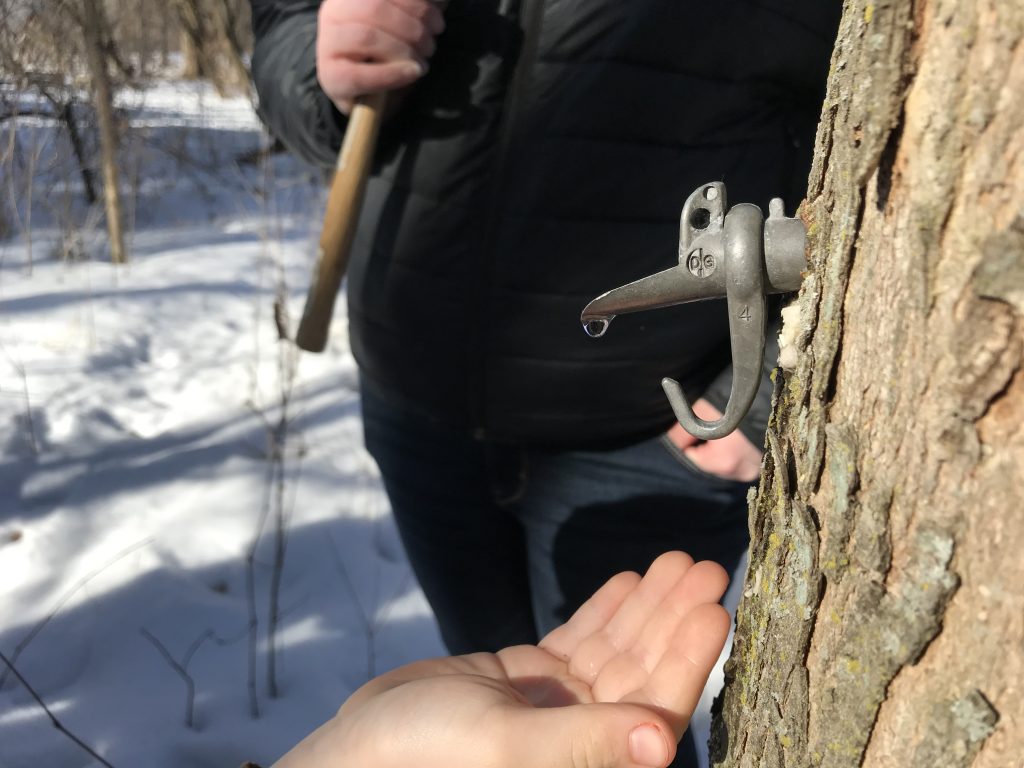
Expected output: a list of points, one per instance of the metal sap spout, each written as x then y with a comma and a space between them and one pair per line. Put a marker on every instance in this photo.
664, 289
733, 254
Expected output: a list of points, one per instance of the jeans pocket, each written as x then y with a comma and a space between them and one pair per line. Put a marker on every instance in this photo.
507, 473
688, 464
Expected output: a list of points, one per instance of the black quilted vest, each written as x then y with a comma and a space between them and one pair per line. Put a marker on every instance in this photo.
543, 160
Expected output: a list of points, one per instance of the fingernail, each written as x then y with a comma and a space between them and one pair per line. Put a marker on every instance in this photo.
647, 746
415, 69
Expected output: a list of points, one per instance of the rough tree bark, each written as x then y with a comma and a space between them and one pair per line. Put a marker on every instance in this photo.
882, 622
93, 23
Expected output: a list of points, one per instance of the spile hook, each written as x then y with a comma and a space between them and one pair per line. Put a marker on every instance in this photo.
744, 292
731, 253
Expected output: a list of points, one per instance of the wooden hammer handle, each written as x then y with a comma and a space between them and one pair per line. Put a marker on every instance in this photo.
340, 220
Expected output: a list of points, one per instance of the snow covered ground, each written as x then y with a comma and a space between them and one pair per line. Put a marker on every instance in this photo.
137, 412
152, 433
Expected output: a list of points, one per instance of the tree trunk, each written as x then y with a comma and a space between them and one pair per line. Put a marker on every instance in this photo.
882, 622
103, 101
66, 115
210, 45
166, 21
191, 40
233, 75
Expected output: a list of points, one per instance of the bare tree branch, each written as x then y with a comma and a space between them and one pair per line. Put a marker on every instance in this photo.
181, 668
250, 591
40, 625
53, 718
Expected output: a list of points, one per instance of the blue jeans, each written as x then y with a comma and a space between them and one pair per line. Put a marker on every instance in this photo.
507, 540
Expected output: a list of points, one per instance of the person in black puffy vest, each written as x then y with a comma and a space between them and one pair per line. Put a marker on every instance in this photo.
537, 154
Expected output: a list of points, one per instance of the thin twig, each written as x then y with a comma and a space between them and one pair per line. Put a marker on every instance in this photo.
250, 594
30, 423
182, 668
41, 624
287, 367
278, 436
369, 619
371, 622
276, 614
280, 542
277, 572
196, 645
368, 629
53, 718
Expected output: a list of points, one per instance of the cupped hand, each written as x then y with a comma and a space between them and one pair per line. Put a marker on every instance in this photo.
369, 46
614, 687
732, 457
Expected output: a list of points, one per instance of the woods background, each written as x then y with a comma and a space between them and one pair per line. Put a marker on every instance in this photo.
64, 59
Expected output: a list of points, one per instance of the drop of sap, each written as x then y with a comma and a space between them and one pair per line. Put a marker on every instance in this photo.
596, 328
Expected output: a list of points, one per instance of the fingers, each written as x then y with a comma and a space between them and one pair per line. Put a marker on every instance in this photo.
733, 457
665, 572
705, 410
606, 735
675, 685
680, 437
702, 409
344, 80
415, 22
359, 42
704, 583
591, 617
624, 627
368, 46
427, 11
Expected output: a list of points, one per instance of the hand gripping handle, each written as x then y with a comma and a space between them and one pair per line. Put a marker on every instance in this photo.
341, 217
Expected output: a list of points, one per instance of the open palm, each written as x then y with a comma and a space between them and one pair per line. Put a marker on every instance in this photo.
614, 686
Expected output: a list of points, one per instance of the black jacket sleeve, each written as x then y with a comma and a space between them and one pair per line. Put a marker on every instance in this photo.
291, 102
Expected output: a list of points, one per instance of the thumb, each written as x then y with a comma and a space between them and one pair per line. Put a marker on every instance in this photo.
590, 736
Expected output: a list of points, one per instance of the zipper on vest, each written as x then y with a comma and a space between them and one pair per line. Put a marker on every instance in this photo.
531, 12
